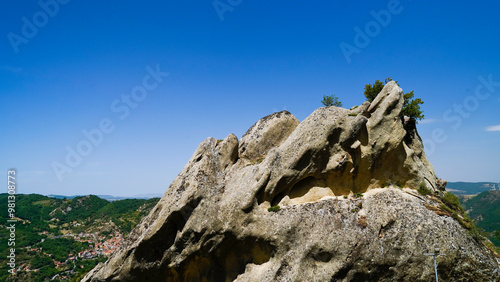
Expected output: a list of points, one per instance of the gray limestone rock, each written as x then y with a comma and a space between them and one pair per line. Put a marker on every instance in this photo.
267, 133
213, 222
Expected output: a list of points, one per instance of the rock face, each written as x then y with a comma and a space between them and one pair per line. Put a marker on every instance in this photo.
213, 222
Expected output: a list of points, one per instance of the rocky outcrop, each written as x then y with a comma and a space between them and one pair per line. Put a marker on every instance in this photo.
266, 134
345, 184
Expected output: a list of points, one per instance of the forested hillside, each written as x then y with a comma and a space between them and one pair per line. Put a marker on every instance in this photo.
484, 209
62, 239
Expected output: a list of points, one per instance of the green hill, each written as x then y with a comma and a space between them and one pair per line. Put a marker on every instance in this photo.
64, 238
127, 213
484, 209
78, 208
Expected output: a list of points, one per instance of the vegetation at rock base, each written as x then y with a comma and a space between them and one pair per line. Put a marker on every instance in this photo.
61, 238
411, 107
452, 201
358, 195
484, 210
331, 100
423, 190
453, 207
496, 235
274, 208
449, 205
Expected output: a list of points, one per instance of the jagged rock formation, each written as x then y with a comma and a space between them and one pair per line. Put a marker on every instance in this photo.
213, 222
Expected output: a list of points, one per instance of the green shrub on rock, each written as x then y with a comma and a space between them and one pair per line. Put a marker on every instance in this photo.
423, 190
274, 208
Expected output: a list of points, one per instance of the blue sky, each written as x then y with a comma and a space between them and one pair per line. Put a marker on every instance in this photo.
69, 66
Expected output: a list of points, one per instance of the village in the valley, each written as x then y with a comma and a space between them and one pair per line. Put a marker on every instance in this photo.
99, 246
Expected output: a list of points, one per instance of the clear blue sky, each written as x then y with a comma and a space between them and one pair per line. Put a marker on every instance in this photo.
228, 68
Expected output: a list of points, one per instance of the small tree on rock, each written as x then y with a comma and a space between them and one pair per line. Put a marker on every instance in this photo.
372, 90
411, 107
331, 100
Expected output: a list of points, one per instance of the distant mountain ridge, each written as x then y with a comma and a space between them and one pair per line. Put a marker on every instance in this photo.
110, 197
471, 188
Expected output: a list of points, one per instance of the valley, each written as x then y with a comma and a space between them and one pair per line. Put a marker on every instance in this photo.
61, 238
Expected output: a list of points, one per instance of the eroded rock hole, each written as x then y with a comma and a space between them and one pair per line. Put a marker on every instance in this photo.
152, 249
276, 200
334, 136
314, 188
223, 262
323, 256
260, 195
302, 187
304, 161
